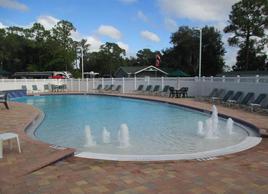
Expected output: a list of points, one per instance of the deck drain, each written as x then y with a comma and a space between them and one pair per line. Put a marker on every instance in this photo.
207, 158
57, 147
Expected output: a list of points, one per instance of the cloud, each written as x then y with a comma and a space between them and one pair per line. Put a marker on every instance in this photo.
123, 46
94, 42
150, 36
110, 31
128, 1
13, 4
47, 21
142, 16
2, 25
170, 24
205, 10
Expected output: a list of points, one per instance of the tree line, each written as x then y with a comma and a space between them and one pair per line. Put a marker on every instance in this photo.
39, 49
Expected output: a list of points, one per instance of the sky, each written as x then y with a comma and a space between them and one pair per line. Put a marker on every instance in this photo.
132, 24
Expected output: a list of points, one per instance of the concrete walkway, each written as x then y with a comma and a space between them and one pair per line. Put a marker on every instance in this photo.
35, 170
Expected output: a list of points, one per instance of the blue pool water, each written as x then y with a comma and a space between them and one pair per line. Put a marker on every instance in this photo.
154, 128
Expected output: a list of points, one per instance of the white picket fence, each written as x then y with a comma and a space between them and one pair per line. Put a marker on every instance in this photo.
197, 87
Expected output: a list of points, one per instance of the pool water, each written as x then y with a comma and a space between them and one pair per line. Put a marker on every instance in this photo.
154, 128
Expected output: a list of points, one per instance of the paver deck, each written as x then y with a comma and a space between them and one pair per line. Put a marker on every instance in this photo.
243, 172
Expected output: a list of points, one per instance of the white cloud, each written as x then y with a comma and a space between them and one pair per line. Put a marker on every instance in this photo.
47, 21
2, 25
142, 16
123, 46
110, 31
150, 36
205, 10
170, 24
94, 42
128, 1
13, 4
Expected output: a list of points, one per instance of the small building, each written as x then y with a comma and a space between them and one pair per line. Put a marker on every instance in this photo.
140, 71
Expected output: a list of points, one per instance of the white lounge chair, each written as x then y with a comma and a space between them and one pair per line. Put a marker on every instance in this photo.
8, 136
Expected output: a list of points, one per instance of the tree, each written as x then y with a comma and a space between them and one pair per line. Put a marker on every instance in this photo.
247, 22
107, 60
146, 57
185, 51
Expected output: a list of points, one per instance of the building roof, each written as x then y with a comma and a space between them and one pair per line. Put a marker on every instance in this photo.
138, 69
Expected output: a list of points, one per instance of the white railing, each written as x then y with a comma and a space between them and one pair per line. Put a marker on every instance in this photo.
197, 87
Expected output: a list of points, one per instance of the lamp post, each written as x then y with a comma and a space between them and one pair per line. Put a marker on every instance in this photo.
200, 53
82, 60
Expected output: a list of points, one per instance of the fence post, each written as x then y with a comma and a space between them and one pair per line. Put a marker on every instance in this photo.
123, 79
93, 83
257, 78
79, 85
223, 78
102, 82
162, 83
87, 84
72, 84
203, 78
112, 80
238, 78
211, 78
135, 82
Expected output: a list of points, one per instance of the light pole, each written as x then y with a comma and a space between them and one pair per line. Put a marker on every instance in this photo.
200, 53
82, 60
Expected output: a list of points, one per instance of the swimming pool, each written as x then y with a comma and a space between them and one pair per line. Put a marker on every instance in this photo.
155, 130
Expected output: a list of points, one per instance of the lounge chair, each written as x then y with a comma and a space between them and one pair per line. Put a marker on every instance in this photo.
234, 99
110, 88
224, 98
46, 88
257, 102
98, 88
244, 102
35, 89
156, 89
212, 93
164, 91
139, 89
148, 89
4, 99
117, 89
104, 89
218, 95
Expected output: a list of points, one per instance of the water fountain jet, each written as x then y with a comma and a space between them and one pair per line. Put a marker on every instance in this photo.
106, 136
89, 138
123, 136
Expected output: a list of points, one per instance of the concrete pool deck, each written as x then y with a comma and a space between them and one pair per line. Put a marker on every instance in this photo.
35, 169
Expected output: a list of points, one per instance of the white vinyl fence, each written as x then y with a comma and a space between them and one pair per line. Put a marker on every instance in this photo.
197, 87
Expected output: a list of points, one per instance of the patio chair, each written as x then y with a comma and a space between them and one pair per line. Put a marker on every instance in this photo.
182, 92
104, 89
110, 88
139, 89
9, 136
257, 102
4, 99
234, 99
172, 92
